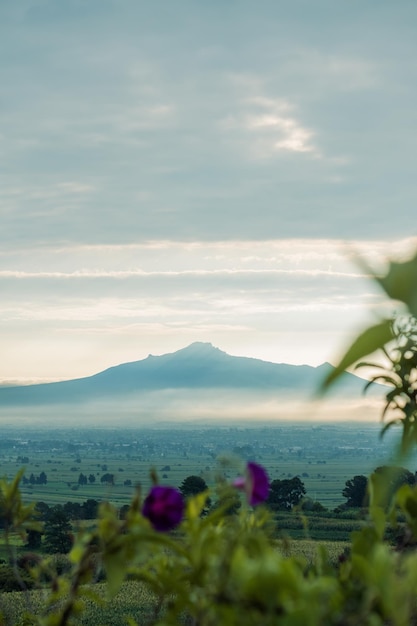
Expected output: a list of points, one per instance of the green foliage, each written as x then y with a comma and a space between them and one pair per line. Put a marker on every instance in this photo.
355, 491
14, 515
366, 343
400, 373
285, 494
224, 569
58, 531
9, 581
396, 338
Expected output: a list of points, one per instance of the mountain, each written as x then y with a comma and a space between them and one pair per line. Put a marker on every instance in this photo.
196, 367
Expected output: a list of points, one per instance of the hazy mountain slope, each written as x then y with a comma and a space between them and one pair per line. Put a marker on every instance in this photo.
199, 366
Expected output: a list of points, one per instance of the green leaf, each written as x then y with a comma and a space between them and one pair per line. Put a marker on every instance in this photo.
370, 340
196, 504
378, 379
400, 283
115, 566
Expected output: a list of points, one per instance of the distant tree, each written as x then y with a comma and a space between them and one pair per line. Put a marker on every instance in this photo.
32, 479
123, 511
285, 494
73, 510
91, 479
82, 479
33, 539
312, 506
57, 531
42, 511
89, 509
127, 482
107, 478
192, 485
355, 491
43, 479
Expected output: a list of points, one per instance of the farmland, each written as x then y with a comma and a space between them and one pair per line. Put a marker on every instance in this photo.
323, 455
134, 600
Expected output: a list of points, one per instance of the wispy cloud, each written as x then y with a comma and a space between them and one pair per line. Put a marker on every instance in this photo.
276, 128
120, 274
271, 125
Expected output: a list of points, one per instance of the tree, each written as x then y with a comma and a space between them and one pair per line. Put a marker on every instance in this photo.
123, 511
82, 479
42, 510
107, 478
192, 485
73, 510
33, 539
89, 509
43, 479
91, 479
312, 506
58, 531
285, 494
355, 491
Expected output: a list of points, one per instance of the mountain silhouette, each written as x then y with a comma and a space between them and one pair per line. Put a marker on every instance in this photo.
198, 366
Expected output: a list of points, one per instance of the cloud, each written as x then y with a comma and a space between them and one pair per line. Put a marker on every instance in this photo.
271, 126
277, 129
122, 274
178, 173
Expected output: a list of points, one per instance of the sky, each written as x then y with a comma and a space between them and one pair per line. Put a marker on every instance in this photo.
180, 171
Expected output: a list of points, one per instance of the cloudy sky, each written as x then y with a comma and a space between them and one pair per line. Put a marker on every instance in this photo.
183, 170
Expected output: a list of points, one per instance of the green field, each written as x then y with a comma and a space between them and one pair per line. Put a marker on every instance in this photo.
323, 456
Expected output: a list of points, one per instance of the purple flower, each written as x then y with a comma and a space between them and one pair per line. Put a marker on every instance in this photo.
255, 484
163, 507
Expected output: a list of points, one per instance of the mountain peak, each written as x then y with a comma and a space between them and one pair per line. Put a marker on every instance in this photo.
200, 348
196, 367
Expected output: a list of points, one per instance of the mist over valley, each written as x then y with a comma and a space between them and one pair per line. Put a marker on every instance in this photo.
199, 383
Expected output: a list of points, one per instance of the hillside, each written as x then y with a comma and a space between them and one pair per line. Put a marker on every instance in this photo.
198, 366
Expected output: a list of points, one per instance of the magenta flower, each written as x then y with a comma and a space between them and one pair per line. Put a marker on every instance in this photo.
163, 507
255, 484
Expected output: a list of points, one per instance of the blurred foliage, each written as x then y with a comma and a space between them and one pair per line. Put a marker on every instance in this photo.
394, 340
222, 569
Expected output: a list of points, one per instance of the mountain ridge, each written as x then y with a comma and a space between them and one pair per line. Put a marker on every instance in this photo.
199, 365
